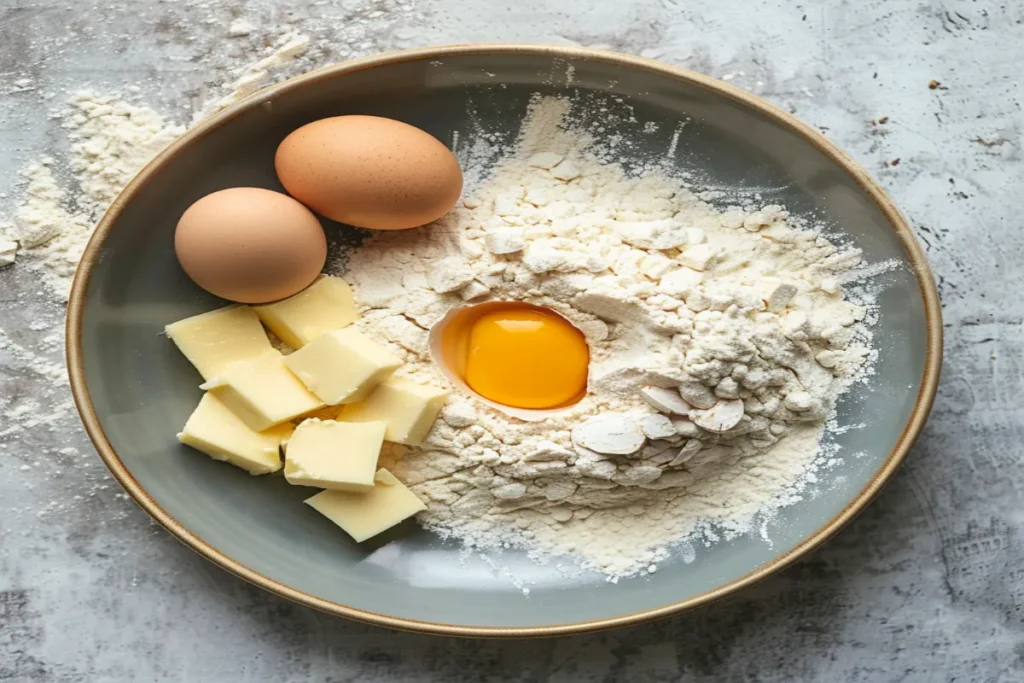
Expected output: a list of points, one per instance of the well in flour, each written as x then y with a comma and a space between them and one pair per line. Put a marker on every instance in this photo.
719, 341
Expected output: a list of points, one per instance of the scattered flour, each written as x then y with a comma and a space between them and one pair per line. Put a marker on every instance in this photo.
239, 28
286, 49
738, 314
111, 140
8, 252
51, 405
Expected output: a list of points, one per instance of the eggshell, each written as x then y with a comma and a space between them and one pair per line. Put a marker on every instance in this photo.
370, 172
250, 245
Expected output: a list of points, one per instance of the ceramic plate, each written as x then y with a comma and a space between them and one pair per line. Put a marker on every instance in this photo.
135, 390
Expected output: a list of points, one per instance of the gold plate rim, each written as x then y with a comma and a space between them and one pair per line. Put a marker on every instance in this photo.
923, 403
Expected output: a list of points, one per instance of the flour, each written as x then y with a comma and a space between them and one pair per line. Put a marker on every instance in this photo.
286, 49
8, 252
52, 404
111, 140
239, 28
733, 321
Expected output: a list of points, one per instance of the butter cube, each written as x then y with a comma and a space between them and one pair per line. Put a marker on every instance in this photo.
342, 366
408, 408
334, 455
217, 432
262, 391
325, 413
364, 515
327, 304
212, 340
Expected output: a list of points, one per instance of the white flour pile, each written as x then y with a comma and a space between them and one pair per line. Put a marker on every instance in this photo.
719, 344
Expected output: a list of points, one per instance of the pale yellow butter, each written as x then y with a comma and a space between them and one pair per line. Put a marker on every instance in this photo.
342, 366
333, 455
325, 413
364, 515
213, 340
327, 304
262, 391
409, 410
214, 430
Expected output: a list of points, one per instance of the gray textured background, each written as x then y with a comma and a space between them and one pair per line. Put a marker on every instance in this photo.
926, 585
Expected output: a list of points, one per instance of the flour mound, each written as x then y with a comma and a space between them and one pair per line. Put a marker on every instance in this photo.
738, 311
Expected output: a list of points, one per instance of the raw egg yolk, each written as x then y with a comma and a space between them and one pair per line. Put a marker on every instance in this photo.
526, 358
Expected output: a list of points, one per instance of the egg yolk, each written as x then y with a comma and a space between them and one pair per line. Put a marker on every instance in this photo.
526, 358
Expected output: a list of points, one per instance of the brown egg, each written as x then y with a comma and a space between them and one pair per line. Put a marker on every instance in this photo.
250, 245
370, 172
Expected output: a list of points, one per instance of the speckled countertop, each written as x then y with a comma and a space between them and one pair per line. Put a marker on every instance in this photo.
926, 585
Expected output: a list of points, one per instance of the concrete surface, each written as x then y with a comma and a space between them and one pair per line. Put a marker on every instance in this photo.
927, 585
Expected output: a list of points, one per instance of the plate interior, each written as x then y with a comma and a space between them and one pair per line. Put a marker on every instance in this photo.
143, 389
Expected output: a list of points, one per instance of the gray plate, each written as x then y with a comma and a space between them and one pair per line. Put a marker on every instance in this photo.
135, 390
